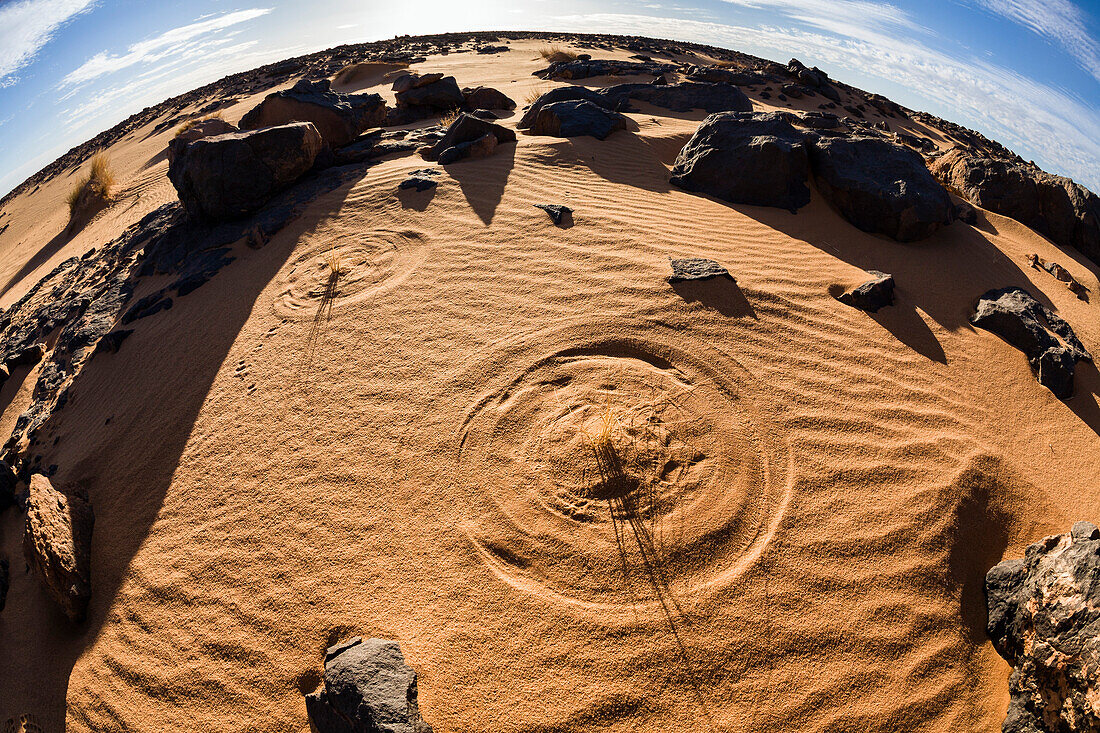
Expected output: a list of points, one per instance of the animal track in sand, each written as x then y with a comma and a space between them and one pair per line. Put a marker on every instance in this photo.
369, 263
698, 478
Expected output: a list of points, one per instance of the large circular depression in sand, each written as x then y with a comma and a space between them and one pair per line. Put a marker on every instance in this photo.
611, 466
370, 262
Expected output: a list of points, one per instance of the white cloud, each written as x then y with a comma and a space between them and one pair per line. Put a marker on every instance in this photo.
28, 25
850, 15
1058, 21
1038, 121
176, 43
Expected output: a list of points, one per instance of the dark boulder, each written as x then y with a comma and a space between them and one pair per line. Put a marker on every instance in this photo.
871, 295
466, 138
442, 95
367, 688
339, 118
880, 187
487, 98
696, 268
681, 97
1063, 210
200, 129
57, 544
746, 158
563, 94
1016, 316
1044, 620
573, 119
229, 176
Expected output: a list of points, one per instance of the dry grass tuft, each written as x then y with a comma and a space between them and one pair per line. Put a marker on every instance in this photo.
93, 191
554, 54
447, 118
533, 95
197, 120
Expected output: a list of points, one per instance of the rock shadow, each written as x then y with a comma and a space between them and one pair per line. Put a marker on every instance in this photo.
483, 180
718, 293
121, 435
410, 198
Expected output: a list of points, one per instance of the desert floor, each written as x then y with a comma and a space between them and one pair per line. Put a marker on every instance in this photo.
272, 470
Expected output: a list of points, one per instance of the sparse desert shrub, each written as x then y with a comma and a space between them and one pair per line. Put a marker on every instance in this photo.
92, 193
533, 95
447, 118
195, 121
553, 54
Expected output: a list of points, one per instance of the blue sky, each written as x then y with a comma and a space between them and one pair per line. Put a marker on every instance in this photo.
1024, 72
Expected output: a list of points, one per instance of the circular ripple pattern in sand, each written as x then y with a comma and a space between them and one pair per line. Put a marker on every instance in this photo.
369, 263
613, 465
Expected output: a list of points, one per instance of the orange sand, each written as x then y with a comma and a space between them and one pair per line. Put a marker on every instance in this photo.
414, 466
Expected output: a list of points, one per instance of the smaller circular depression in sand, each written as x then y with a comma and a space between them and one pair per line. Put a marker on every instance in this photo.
616, 470
368, 263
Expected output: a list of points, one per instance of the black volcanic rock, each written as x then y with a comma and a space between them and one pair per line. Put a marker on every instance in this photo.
339, 118
465, 131
487, 98
681, 97
368, 688
1044, 619
562, 94
585, 68
876, 293
557, 212
880, 187
1048, 341
573, 119
746, 158
229, 176
442, 95
696, 268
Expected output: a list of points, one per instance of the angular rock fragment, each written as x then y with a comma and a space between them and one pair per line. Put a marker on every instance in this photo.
229, 176
746, 158
368, 688
421, 180
557, 212
880, 187
1048, 342
1044, 620
466, 138
339, 118
871, 295
696, 268
57, 544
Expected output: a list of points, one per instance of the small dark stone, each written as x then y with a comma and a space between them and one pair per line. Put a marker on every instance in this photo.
557, 212
871, 295
421, 180
696, 268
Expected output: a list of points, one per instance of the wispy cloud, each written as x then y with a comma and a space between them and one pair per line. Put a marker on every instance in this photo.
181, 42
1060, 22
28, 25
1059, 131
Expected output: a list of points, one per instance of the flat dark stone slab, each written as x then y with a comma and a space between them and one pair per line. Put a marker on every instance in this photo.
421, 180
697, 268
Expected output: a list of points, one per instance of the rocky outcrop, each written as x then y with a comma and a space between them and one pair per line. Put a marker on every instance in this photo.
680, 97
746, 158
814, 78
487, 98
1065, 211
57, 544
339, 118
574, 119
880, 187
1044, 620
719, 75
367, 688
586, 68
1048, 341
469, 137
428, 96
696, 268
876, 293
229, 176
